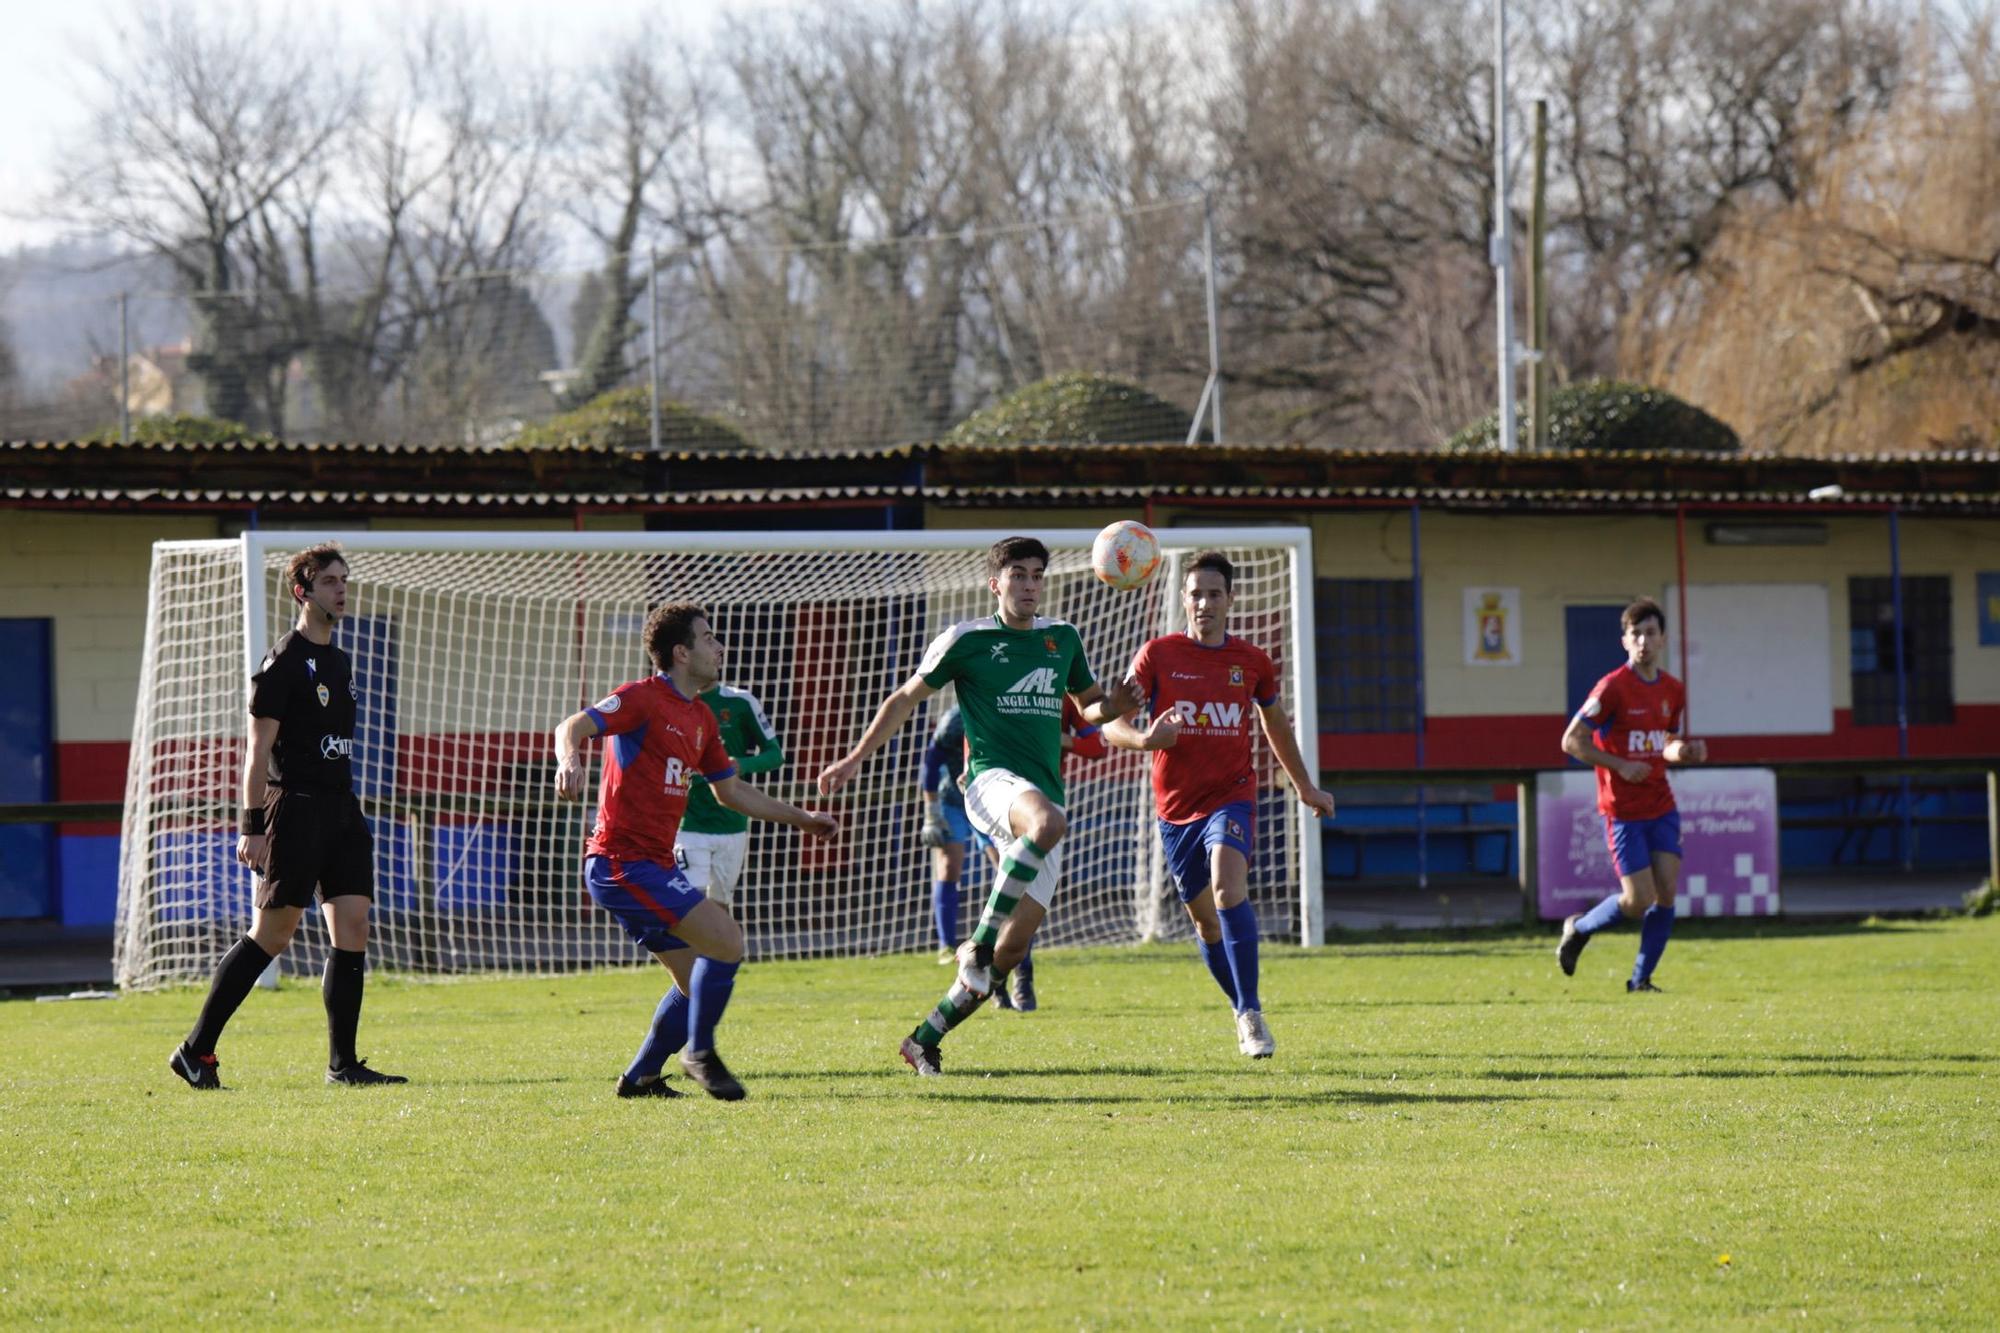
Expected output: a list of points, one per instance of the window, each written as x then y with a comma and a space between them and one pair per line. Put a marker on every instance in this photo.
1366, 646
1871, 616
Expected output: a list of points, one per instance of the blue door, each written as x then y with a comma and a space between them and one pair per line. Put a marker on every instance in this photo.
27, 767
1593, 645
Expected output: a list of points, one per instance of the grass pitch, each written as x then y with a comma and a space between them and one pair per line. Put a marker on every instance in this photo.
1804, 1128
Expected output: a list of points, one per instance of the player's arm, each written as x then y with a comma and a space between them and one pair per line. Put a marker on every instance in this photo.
570, 735
893, 713
745, 799
1681, 750
1580, 744
1159, 734
251, 848
767, 754
1099, 706
1285, 747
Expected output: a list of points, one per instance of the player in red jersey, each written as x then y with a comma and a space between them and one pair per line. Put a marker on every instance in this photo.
1200, 687
1629, 729
661, 734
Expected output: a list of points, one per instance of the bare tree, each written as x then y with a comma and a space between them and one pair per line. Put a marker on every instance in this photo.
201, 118
635, 160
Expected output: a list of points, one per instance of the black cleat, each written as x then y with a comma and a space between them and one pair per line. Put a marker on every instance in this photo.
653, 1087
1647, 984
198, 1070
360, 1075
1022, 988
711, 1075
1571, 947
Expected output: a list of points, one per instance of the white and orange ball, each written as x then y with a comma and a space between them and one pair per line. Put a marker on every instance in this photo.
1125, 554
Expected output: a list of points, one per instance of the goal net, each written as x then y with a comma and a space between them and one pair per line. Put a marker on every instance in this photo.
469, 648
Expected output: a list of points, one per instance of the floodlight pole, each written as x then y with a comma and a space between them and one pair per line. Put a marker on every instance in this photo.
124, 370
1502, 239
653, 346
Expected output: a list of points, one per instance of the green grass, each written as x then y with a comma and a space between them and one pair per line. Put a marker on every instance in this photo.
1450, 1135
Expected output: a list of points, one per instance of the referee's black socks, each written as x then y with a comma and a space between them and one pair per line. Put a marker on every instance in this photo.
234, 977
341, 989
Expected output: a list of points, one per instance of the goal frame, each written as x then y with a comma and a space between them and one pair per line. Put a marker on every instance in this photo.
1297, 540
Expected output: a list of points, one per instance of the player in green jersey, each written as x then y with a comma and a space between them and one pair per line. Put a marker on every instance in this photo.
714, 839
1011, 670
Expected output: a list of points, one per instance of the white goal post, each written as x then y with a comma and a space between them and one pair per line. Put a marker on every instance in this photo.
469, 647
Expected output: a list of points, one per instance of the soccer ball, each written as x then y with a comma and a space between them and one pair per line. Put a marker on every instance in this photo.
1125, 554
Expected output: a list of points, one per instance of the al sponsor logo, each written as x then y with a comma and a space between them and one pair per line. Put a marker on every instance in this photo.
1032, 693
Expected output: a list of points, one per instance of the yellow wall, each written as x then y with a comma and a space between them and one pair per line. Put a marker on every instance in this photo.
88, 572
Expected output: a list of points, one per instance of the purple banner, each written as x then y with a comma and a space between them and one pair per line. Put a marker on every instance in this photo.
1729, 843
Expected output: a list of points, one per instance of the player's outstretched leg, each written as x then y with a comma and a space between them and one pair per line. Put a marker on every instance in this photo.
1239, 942
235, 976
1020, 862
341, 988
1577, 930
718, 941
666, 1037
1654, 929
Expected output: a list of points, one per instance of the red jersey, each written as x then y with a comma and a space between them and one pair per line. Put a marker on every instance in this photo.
1634, 718
1213, 688
655, 737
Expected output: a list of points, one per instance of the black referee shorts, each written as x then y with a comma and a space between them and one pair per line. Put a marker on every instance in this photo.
315, 840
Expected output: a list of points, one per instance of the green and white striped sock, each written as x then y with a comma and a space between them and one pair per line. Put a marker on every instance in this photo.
1019, 865
956, 1006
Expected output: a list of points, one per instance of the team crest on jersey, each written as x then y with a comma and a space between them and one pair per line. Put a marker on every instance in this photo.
610, 703
1049, 642
324, 696
1236, 675
1235, 829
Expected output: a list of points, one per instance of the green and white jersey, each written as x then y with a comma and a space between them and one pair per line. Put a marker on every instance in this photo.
750, 740
1011, 684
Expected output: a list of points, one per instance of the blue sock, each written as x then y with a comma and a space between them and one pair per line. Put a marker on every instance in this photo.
1239, 941
1026, 967
1599, 917
1217, 959
1654, 927
712, 982
944, 908
669, 1034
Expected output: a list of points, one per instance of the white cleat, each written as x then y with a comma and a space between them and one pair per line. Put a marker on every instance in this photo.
1252, 1037
977, 979
946, 957
924, 1059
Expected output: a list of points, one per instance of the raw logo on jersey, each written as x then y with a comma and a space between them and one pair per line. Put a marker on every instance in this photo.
1647, 742
1216, 716
676, 773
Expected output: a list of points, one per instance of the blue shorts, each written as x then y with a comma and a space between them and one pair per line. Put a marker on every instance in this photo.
1187, 845
955, 821
1633, 841
648, 899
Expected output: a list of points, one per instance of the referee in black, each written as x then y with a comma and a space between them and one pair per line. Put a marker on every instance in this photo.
301, 827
